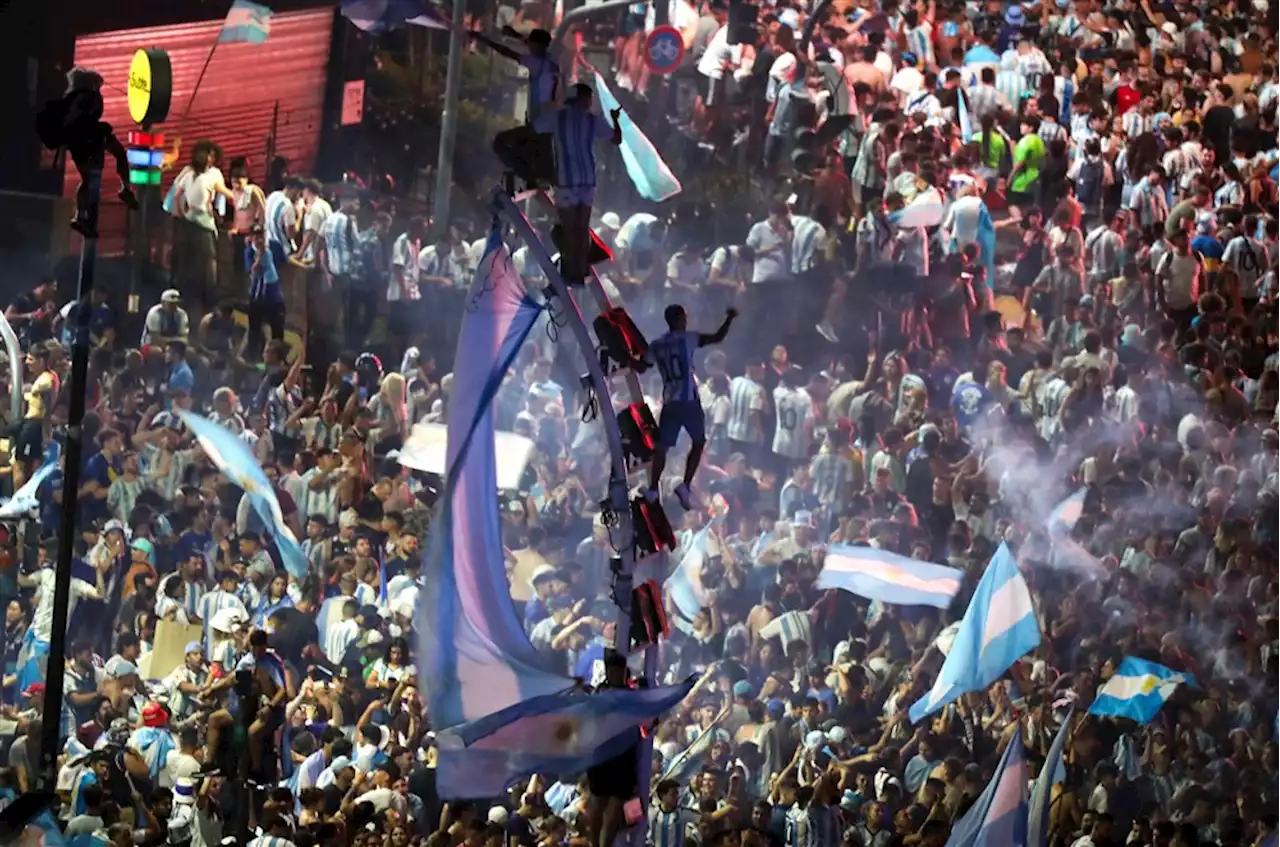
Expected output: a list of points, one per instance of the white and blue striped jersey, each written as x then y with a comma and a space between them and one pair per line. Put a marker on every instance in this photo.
668, 829
576, 132
281, 219
745, 397
672, 353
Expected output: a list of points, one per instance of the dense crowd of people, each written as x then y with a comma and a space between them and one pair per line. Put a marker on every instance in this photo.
1039, 255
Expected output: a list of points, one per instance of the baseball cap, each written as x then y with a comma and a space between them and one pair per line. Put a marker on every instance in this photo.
171, 295
1013, 16
35, 689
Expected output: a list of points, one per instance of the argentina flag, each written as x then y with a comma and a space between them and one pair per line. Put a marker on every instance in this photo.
473, 655
1138, 690
246, 23
25, 499
1066, 514
999, 816
998, 628
651, 176
233, 457
888, 577
684, 587
1053, 772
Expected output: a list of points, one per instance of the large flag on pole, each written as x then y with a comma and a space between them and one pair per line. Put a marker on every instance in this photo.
473, 655
888, 577
247, 23
999, 816
1053, 772
998, 628
233, 457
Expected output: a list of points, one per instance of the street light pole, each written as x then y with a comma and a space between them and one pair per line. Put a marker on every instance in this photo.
51, 741
449, 124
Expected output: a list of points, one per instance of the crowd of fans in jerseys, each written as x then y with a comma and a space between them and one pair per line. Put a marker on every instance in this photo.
1123, 337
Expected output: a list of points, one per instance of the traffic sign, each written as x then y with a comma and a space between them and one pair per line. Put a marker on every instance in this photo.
664, 50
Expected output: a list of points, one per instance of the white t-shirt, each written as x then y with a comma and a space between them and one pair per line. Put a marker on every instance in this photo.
906, 82
773, 260
718, 52
42, 620
794, 432
316, 215
198, 196
1248, 258
686, 269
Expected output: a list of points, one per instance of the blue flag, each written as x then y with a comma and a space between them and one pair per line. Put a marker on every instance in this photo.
473, 655
999, 815
246, 23
653, 180
962, 115
998, 628
233, 457
1053, 772
1138, 690
888, 577
557, 734
688, 761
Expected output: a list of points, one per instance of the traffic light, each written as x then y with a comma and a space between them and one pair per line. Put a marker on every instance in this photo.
145, 157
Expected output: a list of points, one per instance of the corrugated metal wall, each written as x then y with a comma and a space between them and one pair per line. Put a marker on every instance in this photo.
236, 98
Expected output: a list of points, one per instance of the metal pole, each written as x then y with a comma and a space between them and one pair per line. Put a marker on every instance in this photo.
449, 126
596, 10
51, 742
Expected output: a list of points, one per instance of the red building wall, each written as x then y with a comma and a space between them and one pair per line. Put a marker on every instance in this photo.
235, 102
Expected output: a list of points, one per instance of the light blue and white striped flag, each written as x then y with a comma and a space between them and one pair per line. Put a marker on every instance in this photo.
651, 176
473, 655
684, 586
999, 816
1066, 514
233, 457
998, 628
1053, 772
24, 499
888, 577
1138, 690
247, 23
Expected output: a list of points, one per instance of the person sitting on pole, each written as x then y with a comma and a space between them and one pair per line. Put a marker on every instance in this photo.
575, 129
521, 149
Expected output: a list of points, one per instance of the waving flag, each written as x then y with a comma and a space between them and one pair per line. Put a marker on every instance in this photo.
686, 763
1053, 772
1138, 690
1066, 514
246, 23
648, 172
24, 499
473, 655
237, 463
377, 17
998, 628
559, 734
684, 586
887, 577
999, 816
986, 241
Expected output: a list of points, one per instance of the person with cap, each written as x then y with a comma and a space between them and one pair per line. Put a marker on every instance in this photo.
185, 683
166, 321
224, 596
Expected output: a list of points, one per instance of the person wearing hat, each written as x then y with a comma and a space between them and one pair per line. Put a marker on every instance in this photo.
187, 681
166, 321
225, 596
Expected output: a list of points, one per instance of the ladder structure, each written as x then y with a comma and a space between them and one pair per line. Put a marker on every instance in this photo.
623, 480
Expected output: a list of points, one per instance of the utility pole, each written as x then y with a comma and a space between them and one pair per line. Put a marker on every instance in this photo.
51, 742
449, 125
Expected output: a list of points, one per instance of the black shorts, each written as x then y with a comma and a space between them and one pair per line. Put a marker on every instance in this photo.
30, 440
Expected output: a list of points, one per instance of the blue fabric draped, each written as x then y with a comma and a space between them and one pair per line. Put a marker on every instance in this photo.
473, 655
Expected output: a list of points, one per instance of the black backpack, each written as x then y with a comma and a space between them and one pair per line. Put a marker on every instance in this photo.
51, 124
1089, 183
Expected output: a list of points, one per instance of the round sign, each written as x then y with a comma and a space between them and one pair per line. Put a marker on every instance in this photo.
150, 86
664, 50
